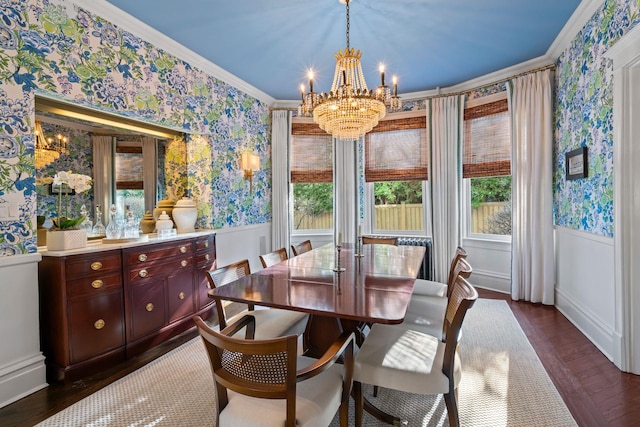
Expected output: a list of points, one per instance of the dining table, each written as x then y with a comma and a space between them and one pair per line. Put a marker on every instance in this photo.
341, 289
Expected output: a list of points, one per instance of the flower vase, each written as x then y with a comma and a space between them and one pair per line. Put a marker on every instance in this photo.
63, 240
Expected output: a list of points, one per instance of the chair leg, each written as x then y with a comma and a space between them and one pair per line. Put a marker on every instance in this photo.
375, 391
452, 408
344, 414
359, 401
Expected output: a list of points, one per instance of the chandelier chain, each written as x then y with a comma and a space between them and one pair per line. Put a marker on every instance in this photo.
348, 24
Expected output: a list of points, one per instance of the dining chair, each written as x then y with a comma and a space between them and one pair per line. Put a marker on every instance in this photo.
426, 313
414, 362
301, 248
438, 289
293, 390
379, 240
271, 322
274, 257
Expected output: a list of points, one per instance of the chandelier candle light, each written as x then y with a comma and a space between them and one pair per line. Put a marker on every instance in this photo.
48, 149
350, 109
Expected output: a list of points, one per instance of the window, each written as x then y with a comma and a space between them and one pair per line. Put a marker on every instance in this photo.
129, 178
311, 177
487, 168
396, 164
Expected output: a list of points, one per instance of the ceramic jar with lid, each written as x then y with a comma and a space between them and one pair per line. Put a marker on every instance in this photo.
165, 205
185, 215
147, 223
164, 222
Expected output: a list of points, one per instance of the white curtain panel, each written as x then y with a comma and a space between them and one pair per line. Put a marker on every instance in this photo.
532, 259
445, 178
104, 148
150, 171
280, 134
345, 179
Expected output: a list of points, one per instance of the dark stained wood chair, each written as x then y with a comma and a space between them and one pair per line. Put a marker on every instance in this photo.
270, 323
301, 248
274, 257
297, 390
411, 361
379, 240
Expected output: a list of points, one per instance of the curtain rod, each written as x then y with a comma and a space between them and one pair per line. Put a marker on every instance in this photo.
464, 92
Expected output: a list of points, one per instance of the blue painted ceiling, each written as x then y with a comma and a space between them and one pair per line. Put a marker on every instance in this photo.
271, 44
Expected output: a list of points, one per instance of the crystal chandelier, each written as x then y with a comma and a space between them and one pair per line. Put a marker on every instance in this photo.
48, 149
350, 109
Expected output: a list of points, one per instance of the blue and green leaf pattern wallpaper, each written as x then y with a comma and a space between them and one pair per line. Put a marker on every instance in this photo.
584, 118
56, 49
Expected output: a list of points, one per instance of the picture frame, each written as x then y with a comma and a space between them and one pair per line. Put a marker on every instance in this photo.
55, 189
577, 165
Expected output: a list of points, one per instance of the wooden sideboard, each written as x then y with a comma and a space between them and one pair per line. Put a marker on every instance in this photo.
102, 307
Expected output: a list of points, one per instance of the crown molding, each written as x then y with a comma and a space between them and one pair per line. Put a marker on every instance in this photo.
574, 25
127, 22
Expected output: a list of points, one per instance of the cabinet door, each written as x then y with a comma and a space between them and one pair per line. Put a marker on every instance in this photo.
202, 287
180, 295
147, 309
96, 326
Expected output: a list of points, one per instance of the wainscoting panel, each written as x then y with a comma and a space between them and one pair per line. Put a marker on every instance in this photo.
491, 262
585, 286
22, 368
237, 243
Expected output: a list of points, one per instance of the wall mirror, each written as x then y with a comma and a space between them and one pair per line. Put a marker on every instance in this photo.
131, 163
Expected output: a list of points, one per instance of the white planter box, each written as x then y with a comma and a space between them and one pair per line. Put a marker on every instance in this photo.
63, 240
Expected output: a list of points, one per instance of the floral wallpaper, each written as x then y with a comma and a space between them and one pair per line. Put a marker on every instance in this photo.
584, 118
56, 49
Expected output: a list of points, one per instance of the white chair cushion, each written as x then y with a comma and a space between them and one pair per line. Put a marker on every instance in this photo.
425, 314
429, 288
403, 359
317, 403
273, 323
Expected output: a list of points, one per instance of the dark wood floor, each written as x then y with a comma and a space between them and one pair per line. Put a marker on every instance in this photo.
595, 391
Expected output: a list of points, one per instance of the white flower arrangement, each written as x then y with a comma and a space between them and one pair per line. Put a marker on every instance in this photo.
77, 182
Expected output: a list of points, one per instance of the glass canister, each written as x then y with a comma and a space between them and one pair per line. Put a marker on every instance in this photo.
185, 215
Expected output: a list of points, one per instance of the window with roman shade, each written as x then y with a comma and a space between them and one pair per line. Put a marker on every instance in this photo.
129, 167
311, 159
487, 140
396, 150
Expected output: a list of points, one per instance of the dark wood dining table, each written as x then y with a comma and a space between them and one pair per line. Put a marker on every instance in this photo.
373, 288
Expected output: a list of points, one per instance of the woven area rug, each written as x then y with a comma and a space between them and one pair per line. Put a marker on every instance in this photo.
504, 384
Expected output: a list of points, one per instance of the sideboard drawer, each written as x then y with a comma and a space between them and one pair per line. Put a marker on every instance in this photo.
148, 254
94, 264
167, 267
98, 326
95, 285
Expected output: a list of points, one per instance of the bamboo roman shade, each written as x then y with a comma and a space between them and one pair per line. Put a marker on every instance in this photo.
396, 150
487, 140
311, 154
129, 167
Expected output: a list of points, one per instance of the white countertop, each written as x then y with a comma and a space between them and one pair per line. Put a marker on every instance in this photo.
99, 246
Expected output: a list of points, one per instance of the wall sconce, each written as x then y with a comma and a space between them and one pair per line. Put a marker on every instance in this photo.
250, 164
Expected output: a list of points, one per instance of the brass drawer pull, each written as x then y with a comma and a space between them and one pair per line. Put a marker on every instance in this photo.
184, 263
206, 244
143, 273
97, 284
183, 249
142, 257
149, 307
207, 257
99, 324
181, 295
96, 265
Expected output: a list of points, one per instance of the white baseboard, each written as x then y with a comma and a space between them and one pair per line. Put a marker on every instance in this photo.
22, 379
491, 280
597, 332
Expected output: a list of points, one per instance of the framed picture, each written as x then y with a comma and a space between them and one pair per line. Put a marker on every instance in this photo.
577, 165
55, 189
